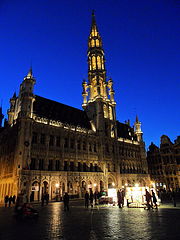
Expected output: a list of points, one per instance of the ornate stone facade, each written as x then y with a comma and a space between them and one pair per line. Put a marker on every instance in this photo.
164, 163
52, 147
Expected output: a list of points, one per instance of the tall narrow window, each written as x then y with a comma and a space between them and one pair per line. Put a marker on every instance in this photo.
97, 42
72, 143
84, 167
33, 165
79, 166
65, 143
50, 166
34, 137
93, 62
58, 141
51, 140
84, 146
42, 139
92, 43
41, 164
65, 166
91, 167
78, 145
57, 165
98, 62
71, 166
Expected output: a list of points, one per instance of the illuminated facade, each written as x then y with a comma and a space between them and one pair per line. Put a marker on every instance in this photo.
52, 147
164, 163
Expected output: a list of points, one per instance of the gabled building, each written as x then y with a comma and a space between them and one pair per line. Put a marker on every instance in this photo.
164, 163
51, 147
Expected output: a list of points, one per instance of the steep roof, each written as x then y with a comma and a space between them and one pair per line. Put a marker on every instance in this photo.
50, 109
125, 131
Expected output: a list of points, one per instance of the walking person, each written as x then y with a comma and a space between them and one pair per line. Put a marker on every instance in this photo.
91, 197
154, 199
14, 199
10, 201
47, 198
148, 200
6, 200
86, 199
42, 199
66, 201
120, 199
173, 195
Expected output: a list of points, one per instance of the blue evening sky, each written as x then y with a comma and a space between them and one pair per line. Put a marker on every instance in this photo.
141, 40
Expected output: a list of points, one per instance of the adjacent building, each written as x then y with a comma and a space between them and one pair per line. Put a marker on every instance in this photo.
164, 163
46, 146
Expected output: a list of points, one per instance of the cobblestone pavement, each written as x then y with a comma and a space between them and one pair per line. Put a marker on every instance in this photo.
105, 222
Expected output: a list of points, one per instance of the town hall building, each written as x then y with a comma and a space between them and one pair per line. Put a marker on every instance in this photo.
46, 146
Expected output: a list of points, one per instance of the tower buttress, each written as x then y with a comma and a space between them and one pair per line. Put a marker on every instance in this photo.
98, 93
26, 96
11, 110
138, 131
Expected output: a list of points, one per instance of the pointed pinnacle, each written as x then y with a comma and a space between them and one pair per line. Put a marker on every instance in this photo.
30, 74
137, 120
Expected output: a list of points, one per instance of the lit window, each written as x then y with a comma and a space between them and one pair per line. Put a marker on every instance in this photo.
92, 43
93, 62
99, 62
97, 43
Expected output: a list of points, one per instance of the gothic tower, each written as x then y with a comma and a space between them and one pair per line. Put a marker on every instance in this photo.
26, 95
98, 93
138, 131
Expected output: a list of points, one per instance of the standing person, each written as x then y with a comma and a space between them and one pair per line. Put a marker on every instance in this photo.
42, 199
47, 198
154, 199
14, 199
173, 195
148, 200
95, 197
119, 197
10, 201
6, 200
86, 199
91, 197
123, 196
66, 201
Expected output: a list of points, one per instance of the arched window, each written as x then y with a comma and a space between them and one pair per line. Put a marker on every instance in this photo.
102, 61
99, 62
93, 62
110, 113
97, 42
92, 43
105, 111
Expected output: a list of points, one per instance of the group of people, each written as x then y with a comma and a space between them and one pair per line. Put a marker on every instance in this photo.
150, 199
8, 200
91, 198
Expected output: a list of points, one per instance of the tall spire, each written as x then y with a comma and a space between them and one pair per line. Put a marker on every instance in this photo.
30, 73
137, 128
98, 92
94, 38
